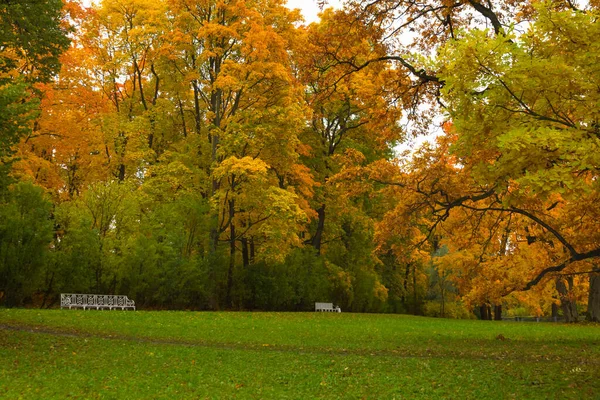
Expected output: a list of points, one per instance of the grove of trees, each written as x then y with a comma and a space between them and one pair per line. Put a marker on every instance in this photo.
222, 154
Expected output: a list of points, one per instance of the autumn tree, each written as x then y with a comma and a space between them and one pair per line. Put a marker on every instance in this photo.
495, 99
31, 40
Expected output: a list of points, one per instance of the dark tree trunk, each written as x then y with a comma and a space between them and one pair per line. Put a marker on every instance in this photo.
486, 312
593, 313
48, 291
245, 252
231, 253
317, 239
498, 312
182, 115
568, 304
415, 311
121, 175
406, 276
443, 305
483, 312
197, 108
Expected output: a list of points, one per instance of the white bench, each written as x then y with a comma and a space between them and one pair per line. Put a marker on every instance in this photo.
326, 307
97, 301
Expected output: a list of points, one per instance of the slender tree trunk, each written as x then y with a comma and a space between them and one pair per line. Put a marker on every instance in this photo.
406, 277
121, 175
214, 138
593, 313
483, 311
231, 252
498, 312
182, 115
443, 306
122, 140
48, 290
318, 237
415, 288
568, 304
245, 252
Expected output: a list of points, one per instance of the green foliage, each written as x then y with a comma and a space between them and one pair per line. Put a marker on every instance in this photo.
31, 40
296, 284
162, 265
525, 106
17, 112
32, 37
76, 254
451, 309
25, 235
114, 241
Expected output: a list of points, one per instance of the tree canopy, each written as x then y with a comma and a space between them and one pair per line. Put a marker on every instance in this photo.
224, 155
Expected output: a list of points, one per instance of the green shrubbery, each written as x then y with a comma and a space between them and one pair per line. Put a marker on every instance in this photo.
454, 309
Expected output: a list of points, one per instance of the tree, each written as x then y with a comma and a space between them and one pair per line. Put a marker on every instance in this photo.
349, 112
523, 111
32, 37
25, 236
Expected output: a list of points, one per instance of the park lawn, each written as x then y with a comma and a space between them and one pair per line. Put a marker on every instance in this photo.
127, 355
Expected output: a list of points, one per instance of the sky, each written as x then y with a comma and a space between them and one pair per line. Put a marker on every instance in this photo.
309, 8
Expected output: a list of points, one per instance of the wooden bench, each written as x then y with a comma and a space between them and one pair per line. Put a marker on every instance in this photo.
97, 301
326, 307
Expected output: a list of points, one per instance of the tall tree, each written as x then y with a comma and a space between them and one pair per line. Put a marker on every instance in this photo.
32, 37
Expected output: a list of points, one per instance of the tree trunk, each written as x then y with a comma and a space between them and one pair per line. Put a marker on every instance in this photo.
121, 174
251, 250
498, 312
443, 305
231, 253
415, 289
182, 115
486, 312
405, 293
568, 304
593, 313
48, 291
245, 252
317, 239
483, 312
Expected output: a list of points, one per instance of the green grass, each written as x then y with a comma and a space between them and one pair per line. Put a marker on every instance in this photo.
127, 355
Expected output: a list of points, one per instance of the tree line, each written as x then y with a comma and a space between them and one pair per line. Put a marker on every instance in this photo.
204, 154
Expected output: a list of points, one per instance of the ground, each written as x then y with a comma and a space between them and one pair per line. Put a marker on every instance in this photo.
164, 355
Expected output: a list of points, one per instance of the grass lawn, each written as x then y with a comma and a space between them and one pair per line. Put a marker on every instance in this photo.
167, 355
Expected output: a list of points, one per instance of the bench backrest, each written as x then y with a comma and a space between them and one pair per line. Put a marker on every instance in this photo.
103, 300
323, 306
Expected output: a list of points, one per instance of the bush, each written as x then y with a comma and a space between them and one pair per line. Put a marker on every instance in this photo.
455, 310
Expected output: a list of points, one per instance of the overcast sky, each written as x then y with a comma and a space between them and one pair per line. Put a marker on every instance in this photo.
309, 8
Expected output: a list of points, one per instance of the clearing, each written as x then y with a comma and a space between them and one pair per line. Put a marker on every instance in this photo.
101, 354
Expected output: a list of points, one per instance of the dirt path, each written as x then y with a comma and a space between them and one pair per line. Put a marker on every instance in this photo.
397, 353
